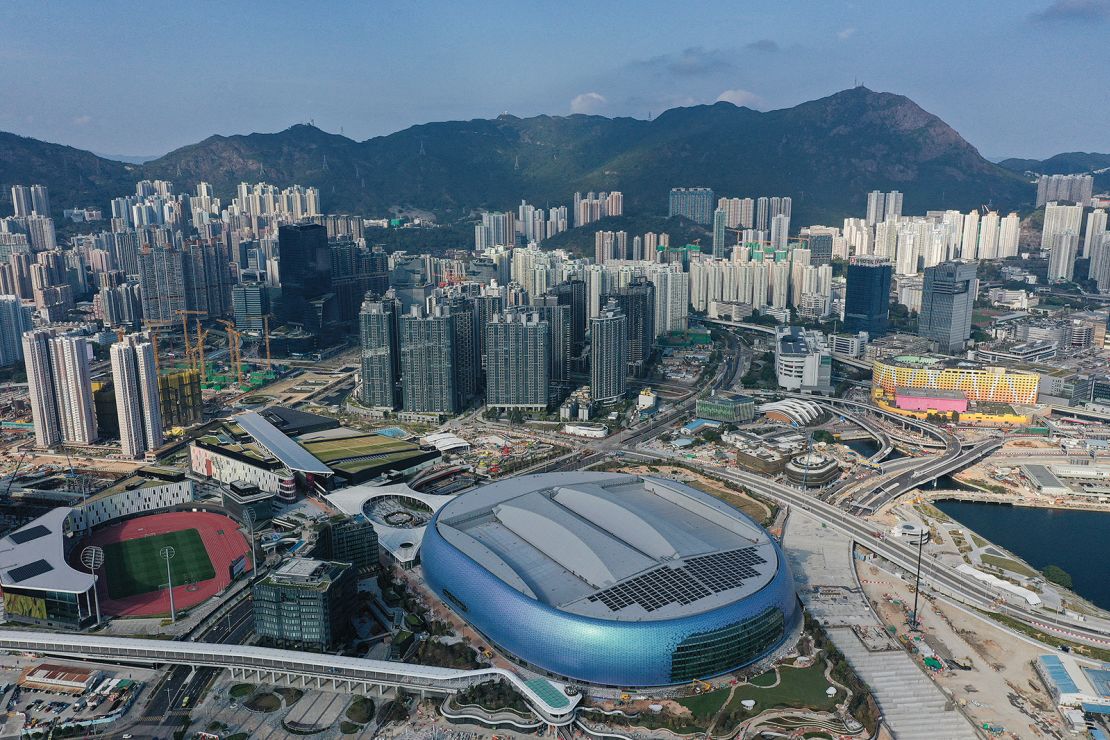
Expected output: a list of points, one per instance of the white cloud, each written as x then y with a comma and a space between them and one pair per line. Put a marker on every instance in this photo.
590, 102
845, 34
740, 97
82, 120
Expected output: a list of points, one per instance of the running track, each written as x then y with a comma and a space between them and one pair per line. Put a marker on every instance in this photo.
220, 535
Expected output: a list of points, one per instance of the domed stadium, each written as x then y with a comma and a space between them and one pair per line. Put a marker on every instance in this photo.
612, 579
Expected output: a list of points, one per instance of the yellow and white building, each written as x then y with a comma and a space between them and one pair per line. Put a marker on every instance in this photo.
978, 382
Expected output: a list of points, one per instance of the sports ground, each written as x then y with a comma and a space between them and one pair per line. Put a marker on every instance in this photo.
136, 566
132, 581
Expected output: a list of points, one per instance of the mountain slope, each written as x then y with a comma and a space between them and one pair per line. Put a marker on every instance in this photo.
1060, 164
825, 153
75, 177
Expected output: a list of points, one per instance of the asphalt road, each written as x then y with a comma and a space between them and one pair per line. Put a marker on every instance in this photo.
167, 707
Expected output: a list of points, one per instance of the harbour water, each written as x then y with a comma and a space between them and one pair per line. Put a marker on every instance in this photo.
1077, 541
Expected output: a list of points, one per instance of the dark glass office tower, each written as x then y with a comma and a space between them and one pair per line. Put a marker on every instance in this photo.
573, 293
947, 300
304, 269
637, 303
867, 295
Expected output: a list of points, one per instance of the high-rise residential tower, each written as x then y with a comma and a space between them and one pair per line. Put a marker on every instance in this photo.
518, 360
695, 204
608, 348
15, 320
427, 342
60, 388
637, 302
381, 352
135, 377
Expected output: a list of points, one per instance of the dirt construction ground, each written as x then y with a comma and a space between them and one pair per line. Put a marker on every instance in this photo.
1001, 688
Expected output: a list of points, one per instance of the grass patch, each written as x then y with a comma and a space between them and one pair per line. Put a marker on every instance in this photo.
361, 710
349, 728
798, 687
135, 567
1097, 653
706, 705
241, 690
265, 702
979, 541
238, 736
1010, 564
290, 696
764, 680
757, 510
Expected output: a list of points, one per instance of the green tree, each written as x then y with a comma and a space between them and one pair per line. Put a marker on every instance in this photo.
1057, 575
824, 435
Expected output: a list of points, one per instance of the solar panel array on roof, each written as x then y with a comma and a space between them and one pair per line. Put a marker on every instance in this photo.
30, 570
697, 578
26, 535
653, 590
721, 571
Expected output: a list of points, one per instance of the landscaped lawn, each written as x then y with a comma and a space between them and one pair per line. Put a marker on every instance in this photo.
1009, 564
135, 567
361, 710
705, 705
265, 702
798, 687
763, 680
241, 690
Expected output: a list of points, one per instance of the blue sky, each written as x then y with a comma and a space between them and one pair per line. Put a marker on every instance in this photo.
1015, 77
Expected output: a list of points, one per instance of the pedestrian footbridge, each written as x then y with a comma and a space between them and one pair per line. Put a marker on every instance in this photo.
548, 699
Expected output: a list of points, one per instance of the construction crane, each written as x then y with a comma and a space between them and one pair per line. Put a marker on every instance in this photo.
235, 349
202, 367
152, 326
185, 314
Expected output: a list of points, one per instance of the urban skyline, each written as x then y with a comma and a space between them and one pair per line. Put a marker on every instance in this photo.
766, 56
730, 424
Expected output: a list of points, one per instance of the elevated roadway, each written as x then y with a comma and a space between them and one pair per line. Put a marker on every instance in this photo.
942, 578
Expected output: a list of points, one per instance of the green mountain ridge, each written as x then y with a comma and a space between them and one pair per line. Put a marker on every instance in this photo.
825, 153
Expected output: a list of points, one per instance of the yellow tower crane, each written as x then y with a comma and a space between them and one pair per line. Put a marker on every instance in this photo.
189, 349
152, 326
235, 349
202, 368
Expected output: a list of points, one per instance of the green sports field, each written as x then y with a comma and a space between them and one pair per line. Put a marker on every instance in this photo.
135, 567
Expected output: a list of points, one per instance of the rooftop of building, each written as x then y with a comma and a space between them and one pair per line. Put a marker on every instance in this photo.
305, 573
350, 451
944, 362
151, 476
34, 556
1043, 477
611, 546
280, 445
930, 393
793, 340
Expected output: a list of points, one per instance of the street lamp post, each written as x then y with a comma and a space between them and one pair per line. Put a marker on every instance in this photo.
168, 552
916, 623
92, 557
250, 516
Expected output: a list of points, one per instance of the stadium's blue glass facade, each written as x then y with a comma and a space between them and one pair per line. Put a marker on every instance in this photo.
612, 652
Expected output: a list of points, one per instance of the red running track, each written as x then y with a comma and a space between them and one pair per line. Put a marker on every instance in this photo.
220, 535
